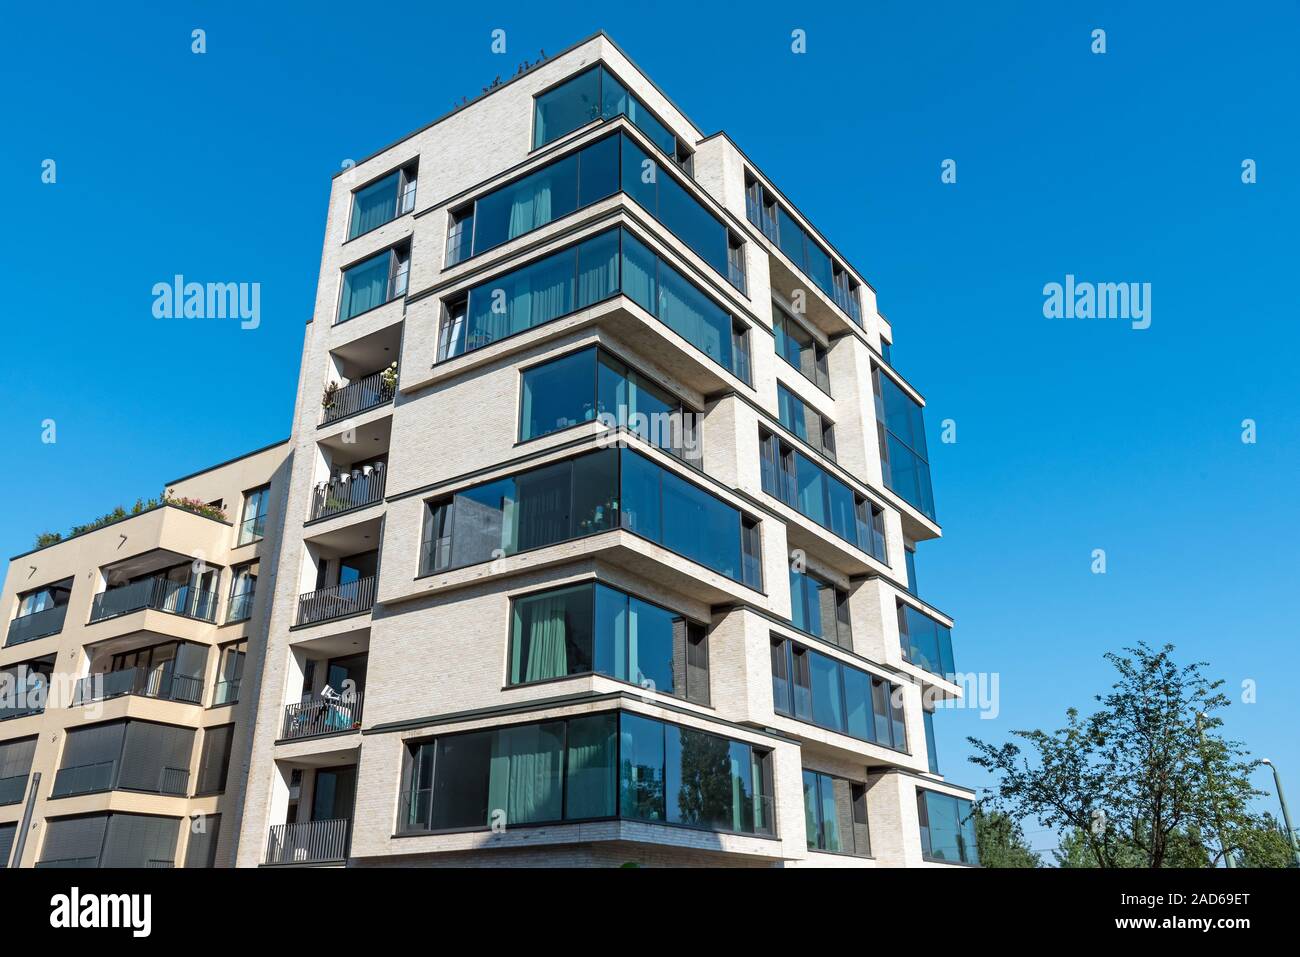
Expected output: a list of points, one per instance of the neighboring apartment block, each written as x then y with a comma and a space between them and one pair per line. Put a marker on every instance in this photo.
129, 661
600, 536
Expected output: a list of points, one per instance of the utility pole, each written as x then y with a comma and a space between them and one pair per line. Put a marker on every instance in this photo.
1286, 813
1228, 859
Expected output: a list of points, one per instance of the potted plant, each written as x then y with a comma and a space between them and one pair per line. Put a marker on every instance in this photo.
389, 378
327, 397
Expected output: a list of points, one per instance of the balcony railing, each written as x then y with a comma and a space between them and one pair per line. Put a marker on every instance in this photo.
84, 779
227, 692
374, 390
12, 789
337, 601
68, 862
240, 607
102, 776
346, 492
36, 625
310, 842
138, 681
322, 716
252, 529
159, 593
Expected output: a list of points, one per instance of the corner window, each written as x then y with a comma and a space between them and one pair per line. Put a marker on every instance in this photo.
947, 827
835, 813
826, 692
800, 348
374, 282
819, 608
597, 94
607, 765
253, 525
904, 459
593, 386
793, 478
595, 628
382, 201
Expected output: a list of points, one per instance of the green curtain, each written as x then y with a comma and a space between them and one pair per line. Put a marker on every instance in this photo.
524, 780
547, 645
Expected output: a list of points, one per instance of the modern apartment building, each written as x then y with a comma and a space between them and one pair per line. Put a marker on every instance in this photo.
600, 534
129, 662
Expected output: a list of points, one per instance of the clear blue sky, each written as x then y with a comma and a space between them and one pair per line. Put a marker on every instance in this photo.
1072, 435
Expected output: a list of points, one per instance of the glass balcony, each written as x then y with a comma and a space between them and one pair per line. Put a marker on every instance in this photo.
240, 607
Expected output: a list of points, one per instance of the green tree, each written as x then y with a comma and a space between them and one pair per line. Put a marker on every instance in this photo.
1001, 841
1264, 844
1144, 775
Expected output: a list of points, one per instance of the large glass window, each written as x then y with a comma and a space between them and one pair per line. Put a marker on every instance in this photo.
374, 281
826, 692
585, 495
808, 255
528, 203
801, 483
835, 812
592, 627
659, 193
805, 422
596, 94
904, 459
819, 608
581, 276
598, 766
681, 516
800, 348
931, 746
592, 385
382, 201
926, 643
947, 827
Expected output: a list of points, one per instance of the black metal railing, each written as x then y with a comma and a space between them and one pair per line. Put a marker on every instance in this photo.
310, 842
226, 692
240, 607
346, 492
174, 781
138, 681
158, 864
38, 624
161, 594
337, 601
12, 789
358, 396
81, 862
84, 779
307, 719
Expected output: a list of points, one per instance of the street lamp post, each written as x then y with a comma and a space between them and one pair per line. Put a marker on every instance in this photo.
1286, 813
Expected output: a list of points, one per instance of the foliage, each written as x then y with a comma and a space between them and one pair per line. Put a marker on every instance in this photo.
328, 396
1001, 841
1140, 779
1264, 844
199, 507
